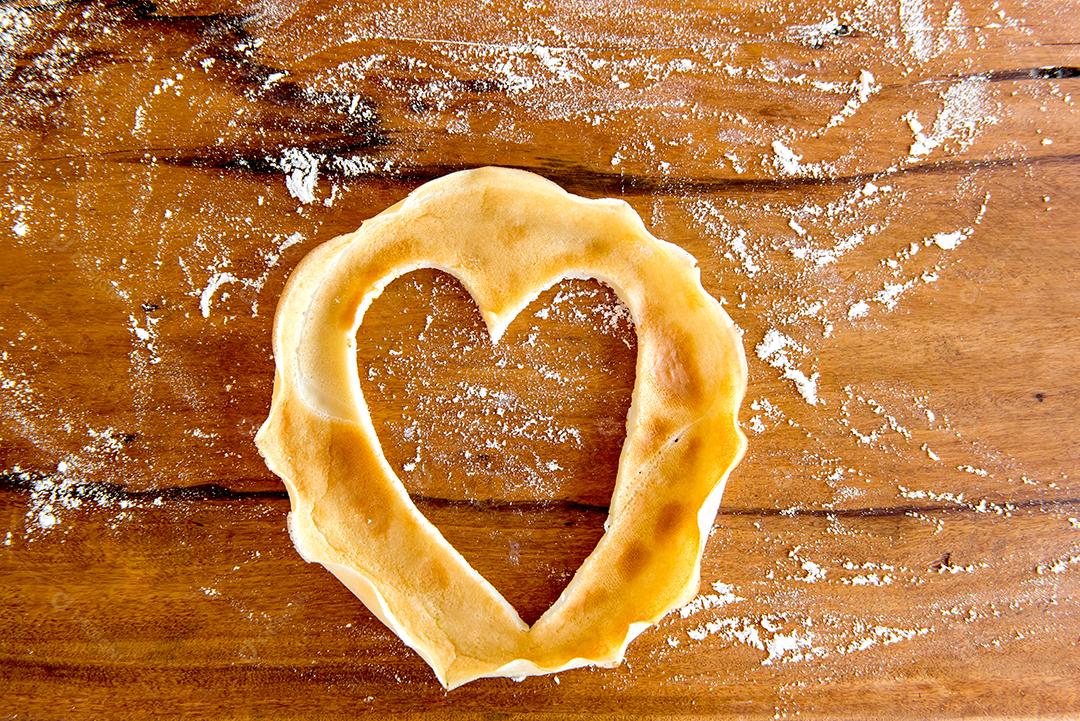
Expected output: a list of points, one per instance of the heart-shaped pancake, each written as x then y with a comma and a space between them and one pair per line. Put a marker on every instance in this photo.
506, 235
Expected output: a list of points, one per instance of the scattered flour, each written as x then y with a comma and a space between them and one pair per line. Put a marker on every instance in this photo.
789, 163
215, 282
220, 278
818, 34
917, 29
773, 349
812, 572
71, 485
1060, 565
302, 168
949, 241
863, 89
966, 108
858, 310
723, 595
892, 291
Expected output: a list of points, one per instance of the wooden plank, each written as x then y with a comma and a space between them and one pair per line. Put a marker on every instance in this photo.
904, 546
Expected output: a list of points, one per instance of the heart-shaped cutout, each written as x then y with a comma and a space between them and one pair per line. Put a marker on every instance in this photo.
506, 235
510, 450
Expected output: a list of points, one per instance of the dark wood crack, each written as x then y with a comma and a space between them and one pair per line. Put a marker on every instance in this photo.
262, 161
22, 483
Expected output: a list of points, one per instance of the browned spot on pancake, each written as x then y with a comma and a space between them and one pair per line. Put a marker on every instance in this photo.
669, 365
599, 246
690, 448
377, 526
439, 574
633, 559
367, 278
657, 431
593, 598
669, 519
348, 311
516, 231
675, 368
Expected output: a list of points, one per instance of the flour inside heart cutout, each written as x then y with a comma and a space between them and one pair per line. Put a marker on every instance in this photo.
510, 449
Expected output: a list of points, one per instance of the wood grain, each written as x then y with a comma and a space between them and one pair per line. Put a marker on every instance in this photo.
144, 152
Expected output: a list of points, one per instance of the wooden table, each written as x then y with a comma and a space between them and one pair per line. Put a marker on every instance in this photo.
883, 194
